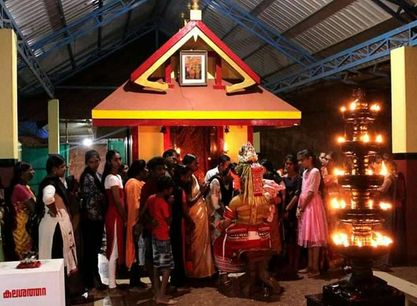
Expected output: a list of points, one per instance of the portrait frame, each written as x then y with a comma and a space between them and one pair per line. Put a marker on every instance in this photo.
193, 68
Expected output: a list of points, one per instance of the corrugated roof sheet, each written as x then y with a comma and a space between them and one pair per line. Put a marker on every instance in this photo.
36, 20
353, 19
284, 14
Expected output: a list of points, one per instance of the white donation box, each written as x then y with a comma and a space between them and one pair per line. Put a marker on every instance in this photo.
35, 287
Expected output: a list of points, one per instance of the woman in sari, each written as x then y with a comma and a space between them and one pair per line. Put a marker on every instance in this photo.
23, 201
199, 262
137, 174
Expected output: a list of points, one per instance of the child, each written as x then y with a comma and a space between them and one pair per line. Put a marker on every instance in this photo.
312, 224
160, 212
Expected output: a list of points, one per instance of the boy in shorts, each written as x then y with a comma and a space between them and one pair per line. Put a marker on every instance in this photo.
160, 211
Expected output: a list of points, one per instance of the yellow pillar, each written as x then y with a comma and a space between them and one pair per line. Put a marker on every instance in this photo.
404, 136
8, 96
53, 126
404, 99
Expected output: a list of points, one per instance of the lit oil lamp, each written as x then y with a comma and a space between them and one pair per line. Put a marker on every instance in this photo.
356, 236
341, 139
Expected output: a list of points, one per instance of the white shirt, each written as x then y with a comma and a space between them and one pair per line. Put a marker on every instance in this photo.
211, 173
113, 180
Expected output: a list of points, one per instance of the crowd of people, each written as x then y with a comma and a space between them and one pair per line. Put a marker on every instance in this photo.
160, 221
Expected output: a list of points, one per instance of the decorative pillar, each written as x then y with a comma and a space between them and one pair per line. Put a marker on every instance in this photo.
135, 142
9, 152
404, 139
53, 126
220, 140
166, 130
250, 134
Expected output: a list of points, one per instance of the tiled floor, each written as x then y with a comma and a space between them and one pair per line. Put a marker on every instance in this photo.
206, 296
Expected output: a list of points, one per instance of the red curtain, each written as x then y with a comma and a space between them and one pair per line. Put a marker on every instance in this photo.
194, 140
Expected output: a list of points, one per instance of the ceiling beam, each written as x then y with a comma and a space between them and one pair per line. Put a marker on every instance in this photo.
100, 28
317, 17
25, 51
376, 30
260, 29
409, 9
255, 12
56, 16
371, 51
84, 25
309, 22
65, 71
389, 10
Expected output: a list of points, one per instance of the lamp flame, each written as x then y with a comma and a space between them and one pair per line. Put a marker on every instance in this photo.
379, 139
341, 139
375, 107
365, 138
380, 240
384, 169
385, 206
369, 172
338, 172
352, 106
336, 204
340, 238
343, 109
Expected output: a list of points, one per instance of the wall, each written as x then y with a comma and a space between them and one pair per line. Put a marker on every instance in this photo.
237, 136
151, 142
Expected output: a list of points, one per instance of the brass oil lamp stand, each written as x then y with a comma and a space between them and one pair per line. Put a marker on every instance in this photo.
359, 235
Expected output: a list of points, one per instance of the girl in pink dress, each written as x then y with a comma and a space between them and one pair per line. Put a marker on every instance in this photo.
312, 224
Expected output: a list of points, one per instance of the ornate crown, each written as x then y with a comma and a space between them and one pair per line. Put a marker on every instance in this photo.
247, 154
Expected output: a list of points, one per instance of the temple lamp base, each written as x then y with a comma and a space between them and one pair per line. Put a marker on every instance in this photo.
375, 293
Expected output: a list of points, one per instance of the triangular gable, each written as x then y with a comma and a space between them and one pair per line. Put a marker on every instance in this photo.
193, 29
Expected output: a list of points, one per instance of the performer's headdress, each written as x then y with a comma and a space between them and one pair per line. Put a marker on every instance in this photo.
251, 173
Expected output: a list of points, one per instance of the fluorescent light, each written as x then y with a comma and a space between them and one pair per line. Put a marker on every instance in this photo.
87, 142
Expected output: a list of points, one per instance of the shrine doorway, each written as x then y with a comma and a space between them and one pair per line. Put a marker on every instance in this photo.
202, 141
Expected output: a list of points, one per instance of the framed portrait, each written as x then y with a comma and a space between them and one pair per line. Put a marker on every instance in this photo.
193, 68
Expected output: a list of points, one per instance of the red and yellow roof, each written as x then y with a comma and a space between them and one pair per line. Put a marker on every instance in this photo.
145, 101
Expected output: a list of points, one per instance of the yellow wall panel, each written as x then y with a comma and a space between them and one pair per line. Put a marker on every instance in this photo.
237, 136
151, 142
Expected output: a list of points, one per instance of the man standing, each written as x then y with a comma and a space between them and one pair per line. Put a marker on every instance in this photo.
224, 163
171, 159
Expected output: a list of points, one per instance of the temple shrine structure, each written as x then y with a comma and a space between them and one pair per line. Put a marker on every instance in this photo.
196, 95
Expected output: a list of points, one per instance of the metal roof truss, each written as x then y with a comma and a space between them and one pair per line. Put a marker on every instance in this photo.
261, 30
374, 49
